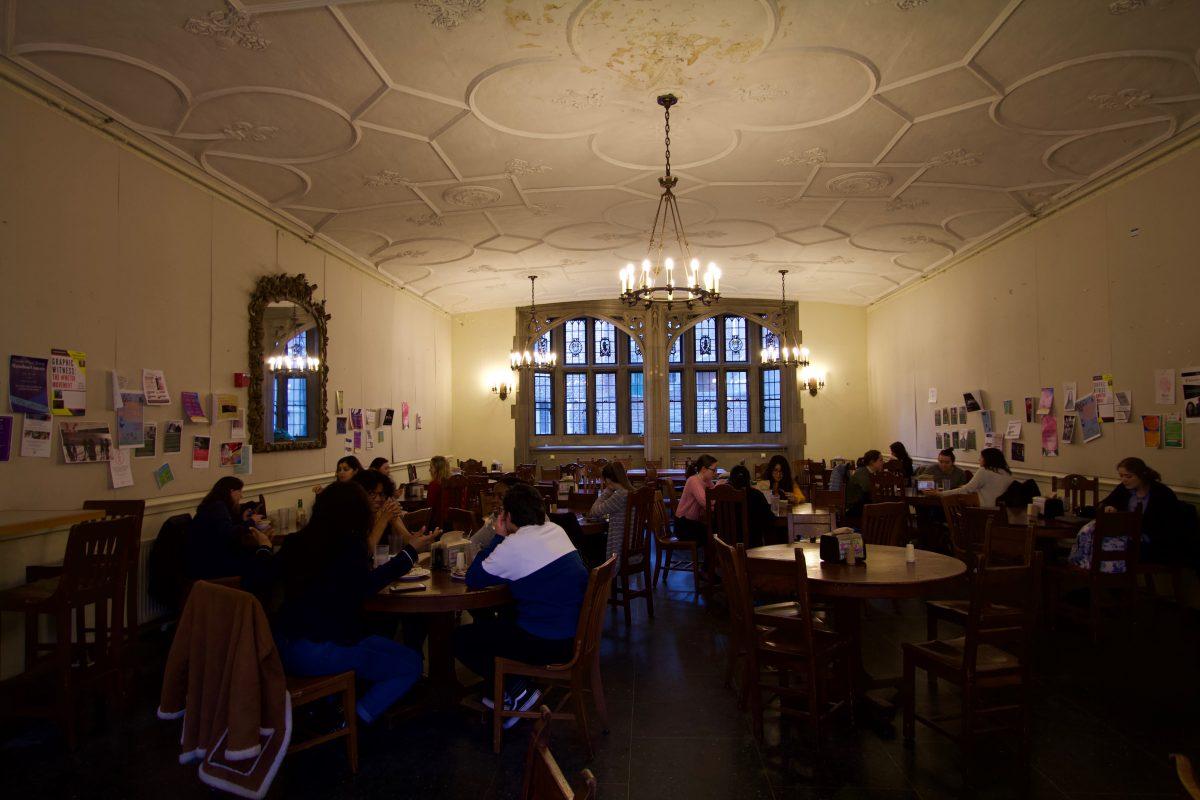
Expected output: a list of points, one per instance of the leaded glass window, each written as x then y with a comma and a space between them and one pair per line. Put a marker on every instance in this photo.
635, 351
770, 400
705, 334
737, 402
575, 341
297, 407
576, 403
606, 402
735, 338
542, 345
605, 339
637, 403
706, 402
676, 354
543, 404
675, 402
769, 340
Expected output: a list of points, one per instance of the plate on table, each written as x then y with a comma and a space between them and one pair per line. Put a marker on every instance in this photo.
415, 574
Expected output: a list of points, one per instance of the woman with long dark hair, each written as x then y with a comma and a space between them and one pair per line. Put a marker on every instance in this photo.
611, 501
689, 513
1141, 489
759, 516
327, 573
900, 453
779, 473
347, 467
382, 465
989, 482
221, 541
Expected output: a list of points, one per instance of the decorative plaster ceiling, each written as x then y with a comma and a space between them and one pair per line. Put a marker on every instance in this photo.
452, 143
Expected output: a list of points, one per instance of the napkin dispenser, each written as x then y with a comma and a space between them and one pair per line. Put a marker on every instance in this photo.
835, 545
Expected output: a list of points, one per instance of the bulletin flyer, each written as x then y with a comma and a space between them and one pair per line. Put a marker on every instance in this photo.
27, 391
1152, 425
154, 385
1089, 417
68, 383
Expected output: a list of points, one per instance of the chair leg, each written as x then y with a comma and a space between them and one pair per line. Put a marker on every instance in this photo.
931, 634
497, 711
626, 600
649, 593
577, 690
696, 568
598, 693
908, 698
348, 708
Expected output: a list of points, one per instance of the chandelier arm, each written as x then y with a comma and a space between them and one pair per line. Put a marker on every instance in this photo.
654, 228
680, 233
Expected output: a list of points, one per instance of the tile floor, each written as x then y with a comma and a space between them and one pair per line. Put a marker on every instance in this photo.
1105, 719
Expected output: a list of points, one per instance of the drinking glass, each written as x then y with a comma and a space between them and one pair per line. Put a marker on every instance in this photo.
382, 554
945, 484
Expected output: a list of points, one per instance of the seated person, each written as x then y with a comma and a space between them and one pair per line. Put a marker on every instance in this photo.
439, 500
990, 481
381, 465
759, 516
779, 473
611, 502
547, 578
483, 536
1141, 489
327, 572
690, 510
945, 474
858, 489
381, 492
900, 454
347, 468
222, 541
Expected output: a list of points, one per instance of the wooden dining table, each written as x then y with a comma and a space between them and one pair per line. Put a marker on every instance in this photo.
440, 600
884, 574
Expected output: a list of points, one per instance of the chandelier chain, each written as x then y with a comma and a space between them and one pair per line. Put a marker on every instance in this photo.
667, 136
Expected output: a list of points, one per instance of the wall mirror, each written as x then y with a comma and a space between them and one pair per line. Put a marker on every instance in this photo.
289, 339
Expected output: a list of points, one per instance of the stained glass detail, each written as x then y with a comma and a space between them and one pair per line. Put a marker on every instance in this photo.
635, 351
705, 334
605, 338
637, 403
735, 338
575, 333
706, 402
675, 402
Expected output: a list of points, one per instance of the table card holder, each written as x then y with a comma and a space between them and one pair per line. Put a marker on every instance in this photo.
834, 546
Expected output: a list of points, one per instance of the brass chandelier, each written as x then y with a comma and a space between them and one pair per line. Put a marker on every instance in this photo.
539, 358
780, 355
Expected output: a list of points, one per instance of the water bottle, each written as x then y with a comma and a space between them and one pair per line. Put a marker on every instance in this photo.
301, 516
910, 553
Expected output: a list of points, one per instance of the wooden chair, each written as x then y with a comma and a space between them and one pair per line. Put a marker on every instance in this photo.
570, 471
579, 674
963, 545
1112, 526
137, 510
832, 501
725, 513
543, 779
634, 558
310, 690
460, 519
590, 480
94, 572
472, 466
1183, 768
549, 494
526, 472
819, 478
581, 502
1075, 489
651, 477
456, 490
415, 520
992, 658
886, 485
666, 545
782, 641
883, 523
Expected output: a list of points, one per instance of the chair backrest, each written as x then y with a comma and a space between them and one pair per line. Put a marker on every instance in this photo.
549, 494
651, 477
741, 599
1075, 489
581, 501
590, 477
454, 489
818, 477
894, 465
1006, 545
475, 485
570, 471
635, 546
954, 509
119, 508
760, 471
460, 519
543, 779
725, 513
412, 473
415, 520
472, 466
591, 613
95, 568
1002, 610
830, 500
526, 472
887, 483
741, 606
883, 523
166, 567
1122, 530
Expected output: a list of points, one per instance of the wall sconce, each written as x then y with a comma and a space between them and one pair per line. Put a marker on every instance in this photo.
813, 380
501, 390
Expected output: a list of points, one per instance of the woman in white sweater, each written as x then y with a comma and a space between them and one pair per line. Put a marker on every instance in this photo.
611, 503
990, 481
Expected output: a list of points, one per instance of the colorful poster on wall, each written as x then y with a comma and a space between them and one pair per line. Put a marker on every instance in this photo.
193, 410
973, 400
1164, 387
1049, 436
130, 420
246, 466
1190, 378
154, 386
1070, 390
1089, 417
341, 426
200, 451
1172, 431
404, 416
1046, 401
149, 441
27, 392
163, 476
35, 435
1152, 430
1103, 392
173, 436
224, 406
68, 383
6, 429
388, 414
358, 440
419, 416
231, 453
237, 425
85, 442
989, 423
1017, 452
1029, 406
356, 419
340, 401
370, 417
1068, 429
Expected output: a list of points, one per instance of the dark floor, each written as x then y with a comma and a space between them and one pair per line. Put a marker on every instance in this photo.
1105, 719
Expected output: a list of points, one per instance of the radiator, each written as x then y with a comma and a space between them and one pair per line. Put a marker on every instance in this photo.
148, 608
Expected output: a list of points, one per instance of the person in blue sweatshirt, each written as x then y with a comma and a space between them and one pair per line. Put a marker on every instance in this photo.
547, 578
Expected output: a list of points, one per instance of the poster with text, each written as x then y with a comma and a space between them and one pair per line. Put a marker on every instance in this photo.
1152, 430
1070, 391
119, 470
1164, 387
130, 420
1049, 435
68, 383
224, 406
154, 386
86, 442
1018, 451
173, 436
1189, 377
1046, 401
1172, 432
149, 441
1068, 429
356, 419
973, 400
200, 451
35, 435
246, 465
1089, 417
340, 422
27, 392
6, 429
989, 423
1124, 405
237, 425
1013, 429
193, 409
1102, 391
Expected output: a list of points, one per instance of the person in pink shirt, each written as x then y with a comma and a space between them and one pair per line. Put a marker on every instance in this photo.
689, 513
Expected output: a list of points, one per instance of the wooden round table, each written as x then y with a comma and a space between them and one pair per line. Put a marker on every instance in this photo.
884, 574
441, 599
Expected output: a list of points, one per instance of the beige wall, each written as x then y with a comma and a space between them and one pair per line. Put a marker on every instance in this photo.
483, 425
103, 251
836, 418
1073, 296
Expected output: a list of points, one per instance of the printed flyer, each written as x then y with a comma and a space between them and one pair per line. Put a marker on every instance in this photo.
35, 436
27, 392
68, 383
86, 442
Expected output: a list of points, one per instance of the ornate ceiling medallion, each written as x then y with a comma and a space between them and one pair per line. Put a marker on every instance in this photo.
859, 182
471, 196
228, 27
385, 177
447, 14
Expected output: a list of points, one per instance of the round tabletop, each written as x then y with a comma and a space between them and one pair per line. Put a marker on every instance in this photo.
884, 573
441, 594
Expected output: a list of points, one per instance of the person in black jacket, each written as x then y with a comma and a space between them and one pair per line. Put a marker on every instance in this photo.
1141, 489
221, 541
759, 516
327, 574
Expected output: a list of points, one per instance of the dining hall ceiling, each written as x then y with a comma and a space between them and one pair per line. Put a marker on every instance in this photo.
460, 145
